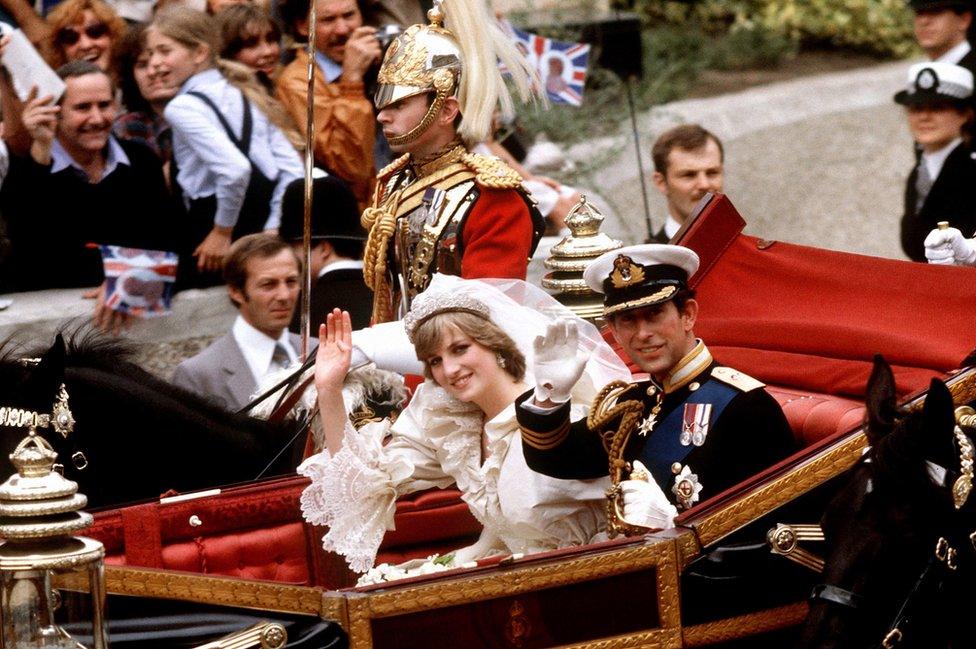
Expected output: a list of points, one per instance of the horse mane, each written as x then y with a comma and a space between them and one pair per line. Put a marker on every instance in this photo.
92, 353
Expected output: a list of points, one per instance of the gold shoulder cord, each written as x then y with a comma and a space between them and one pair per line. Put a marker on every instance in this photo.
605, 410
491, 172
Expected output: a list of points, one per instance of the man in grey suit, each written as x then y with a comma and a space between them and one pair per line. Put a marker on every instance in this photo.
262, 275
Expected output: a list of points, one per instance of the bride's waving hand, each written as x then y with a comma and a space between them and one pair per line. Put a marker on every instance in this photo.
331, 365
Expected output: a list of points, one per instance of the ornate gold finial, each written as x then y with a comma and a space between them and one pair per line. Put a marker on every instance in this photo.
570, 257
37, 502
436, 14
584, 220
33, 457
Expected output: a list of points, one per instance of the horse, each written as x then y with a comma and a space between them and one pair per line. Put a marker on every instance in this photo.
134, 436
900, 559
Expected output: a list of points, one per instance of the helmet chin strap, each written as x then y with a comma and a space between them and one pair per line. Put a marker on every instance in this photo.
443, 83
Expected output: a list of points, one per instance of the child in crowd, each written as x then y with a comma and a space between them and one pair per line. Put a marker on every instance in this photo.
233, 162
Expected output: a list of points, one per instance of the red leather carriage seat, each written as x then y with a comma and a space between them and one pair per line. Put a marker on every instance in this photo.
814, 416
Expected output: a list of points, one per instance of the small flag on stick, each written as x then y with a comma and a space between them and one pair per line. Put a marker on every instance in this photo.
139, 282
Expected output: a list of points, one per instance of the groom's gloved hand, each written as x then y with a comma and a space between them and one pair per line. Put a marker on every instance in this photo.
645, 504
558, 362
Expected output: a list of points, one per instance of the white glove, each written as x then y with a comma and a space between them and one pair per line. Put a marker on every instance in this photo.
949, 247
645, 503
387, 345
558, 362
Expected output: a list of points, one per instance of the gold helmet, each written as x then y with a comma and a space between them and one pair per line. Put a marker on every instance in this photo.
423, 59
459, 60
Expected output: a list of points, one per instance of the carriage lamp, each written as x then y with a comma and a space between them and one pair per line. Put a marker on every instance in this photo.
39, 513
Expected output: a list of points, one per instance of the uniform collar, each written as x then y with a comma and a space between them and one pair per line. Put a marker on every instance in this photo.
936, 160
688, 368
442, 159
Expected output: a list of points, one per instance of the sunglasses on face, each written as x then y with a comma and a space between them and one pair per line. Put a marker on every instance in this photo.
70, 35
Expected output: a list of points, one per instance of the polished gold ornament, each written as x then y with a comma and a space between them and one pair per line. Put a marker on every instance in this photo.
39, 512
963, 485
60, 417
569, 258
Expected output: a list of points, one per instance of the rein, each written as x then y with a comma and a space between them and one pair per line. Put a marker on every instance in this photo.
940, 565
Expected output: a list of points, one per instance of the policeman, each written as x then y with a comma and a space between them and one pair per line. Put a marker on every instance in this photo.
440, 208
696, 426
939, 188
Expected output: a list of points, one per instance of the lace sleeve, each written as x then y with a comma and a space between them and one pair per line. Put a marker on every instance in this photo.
354, 493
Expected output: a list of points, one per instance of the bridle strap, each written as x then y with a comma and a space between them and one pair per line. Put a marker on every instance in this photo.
928, 584
836, 595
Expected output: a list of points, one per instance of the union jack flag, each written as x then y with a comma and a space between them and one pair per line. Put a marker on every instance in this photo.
138, 282
561, 66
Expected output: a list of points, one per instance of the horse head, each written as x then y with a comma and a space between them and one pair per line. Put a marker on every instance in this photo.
885, 523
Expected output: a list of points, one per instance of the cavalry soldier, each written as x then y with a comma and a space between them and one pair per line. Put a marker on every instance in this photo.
699, 427
440, 208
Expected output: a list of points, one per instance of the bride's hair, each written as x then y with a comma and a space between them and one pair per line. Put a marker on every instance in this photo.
486, 333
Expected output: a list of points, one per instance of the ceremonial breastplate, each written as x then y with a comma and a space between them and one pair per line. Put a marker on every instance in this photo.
426, 236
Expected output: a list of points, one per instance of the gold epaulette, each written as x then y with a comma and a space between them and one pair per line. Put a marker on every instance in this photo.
736, 379
393, 167
607, 405
491, 172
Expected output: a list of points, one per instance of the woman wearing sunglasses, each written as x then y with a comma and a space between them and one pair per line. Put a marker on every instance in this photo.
82, 30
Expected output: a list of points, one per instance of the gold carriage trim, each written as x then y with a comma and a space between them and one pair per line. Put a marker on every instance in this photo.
664, 294
545, 440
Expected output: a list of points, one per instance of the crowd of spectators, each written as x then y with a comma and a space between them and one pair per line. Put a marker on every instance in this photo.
176, 132
182, 124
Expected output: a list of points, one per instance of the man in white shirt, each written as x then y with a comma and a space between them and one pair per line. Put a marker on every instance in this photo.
263, 277
688, 163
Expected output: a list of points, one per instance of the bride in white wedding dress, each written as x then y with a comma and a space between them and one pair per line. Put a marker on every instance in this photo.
459, 427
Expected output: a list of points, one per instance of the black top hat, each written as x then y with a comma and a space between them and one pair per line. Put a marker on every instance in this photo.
335, 213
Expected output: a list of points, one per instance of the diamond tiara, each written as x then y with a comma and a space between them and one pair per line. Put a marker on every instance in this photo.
426, 306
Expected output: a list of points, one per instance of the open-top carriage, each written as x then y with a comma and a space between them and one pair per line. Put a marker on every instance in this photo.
738, 567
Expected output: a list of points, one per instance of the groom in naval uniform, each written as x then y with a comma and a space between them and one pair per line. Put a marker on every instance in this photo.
262, 275
702, 427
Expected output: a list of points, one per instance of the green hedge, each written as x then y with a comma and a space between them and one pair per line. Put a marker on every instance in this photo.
882, 27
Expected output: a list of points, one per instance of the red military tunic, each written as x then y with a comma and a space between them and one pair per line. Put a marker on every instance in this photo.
461, 214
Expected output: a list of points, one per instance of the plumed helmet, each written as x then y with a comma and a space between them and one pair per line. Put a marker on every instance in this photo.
456, 55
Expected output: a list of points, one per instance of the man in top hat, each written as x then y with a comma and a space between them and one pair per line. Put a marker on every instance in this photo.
440, 208
336, 263
939, 188
702, 427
